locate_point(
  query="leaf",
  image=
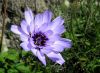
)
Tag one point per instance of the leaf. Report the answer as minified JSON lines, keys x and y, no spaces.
{"x":12,"y":71}
{"x":11,"y":54}
{"x":22,"y":68}
{"x":2,"y":70}
{"x":2,"y":55}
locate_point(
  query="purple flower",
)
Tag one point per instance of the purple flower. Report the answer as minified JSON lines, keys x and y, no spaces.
{"x":42,"y":36}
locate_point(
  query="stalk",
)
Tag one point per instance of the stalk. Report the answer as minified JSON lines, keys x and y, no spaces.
{"x":4,"y":18}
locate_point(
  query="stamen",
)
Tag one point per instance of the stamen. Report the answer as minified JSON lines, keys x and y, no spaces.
{"x":39,"y":39}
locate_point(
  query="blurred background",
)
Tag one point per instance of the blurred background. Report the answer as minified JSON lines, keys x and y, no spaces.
{"x":82,"y":23}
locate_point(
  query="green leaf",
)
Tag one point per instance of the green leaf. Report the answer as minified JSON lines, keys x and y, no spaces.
{"x":2,"y":55}
{"x":12,"y":71}
{"x":11,"y":54}
{"x":22,"y":68}
{"x":2,"y":70}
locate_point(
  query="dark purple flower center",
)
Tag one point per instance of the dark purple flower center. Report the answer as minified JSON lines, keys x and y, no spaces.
{"x":39,"y":39}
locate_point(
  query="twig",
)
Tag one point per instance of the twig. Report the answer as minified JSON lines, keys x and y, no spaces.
{"x":3,"y":26}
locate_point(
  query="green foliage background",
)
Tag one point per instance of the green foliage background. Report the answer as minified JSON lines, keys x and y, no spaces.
{"x":82,"y":22}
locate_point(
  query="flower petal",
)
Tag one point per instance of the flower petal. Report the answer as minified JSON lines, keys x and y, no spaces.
{"x":32,"y":42}
{"x":34,"y":51}
{"x":28,"y":16}
{"x":43,"y":18}
{"x":57,"y":48}
{"x":54,"y":37}
{"x":59,"y":29}
{"x":24,"y":37}
{"x":57,"y":26}
{"x":48,"y":33}
{"x":24,"y":27}
{"x":47,"y":15}
{"x":26,"y":46}
{"x":41,"y":57}
{"x":16,"y":29}
{"x":56,"y":57}
{"x":32,"y":27}
{"x":46,"y":50}
{"x":38,"y":20}
{"x":43,"y":28}
{"x":66,"y":43}
{"x":57,"y":22}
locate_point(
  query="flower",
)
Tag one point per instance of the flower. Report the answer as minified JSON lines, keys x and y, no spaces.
{"x":42,"y":36}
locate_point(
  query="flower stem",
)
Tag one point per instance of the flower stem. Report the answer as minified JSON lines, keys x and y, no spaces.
{"x":4,"y":17}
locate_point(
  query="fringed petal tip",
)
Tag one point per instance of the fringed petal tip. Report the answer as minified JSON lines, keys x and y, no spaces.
{"x":28,"y":15}
{"x":56,"y":57}
{"x":15,"y":29}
